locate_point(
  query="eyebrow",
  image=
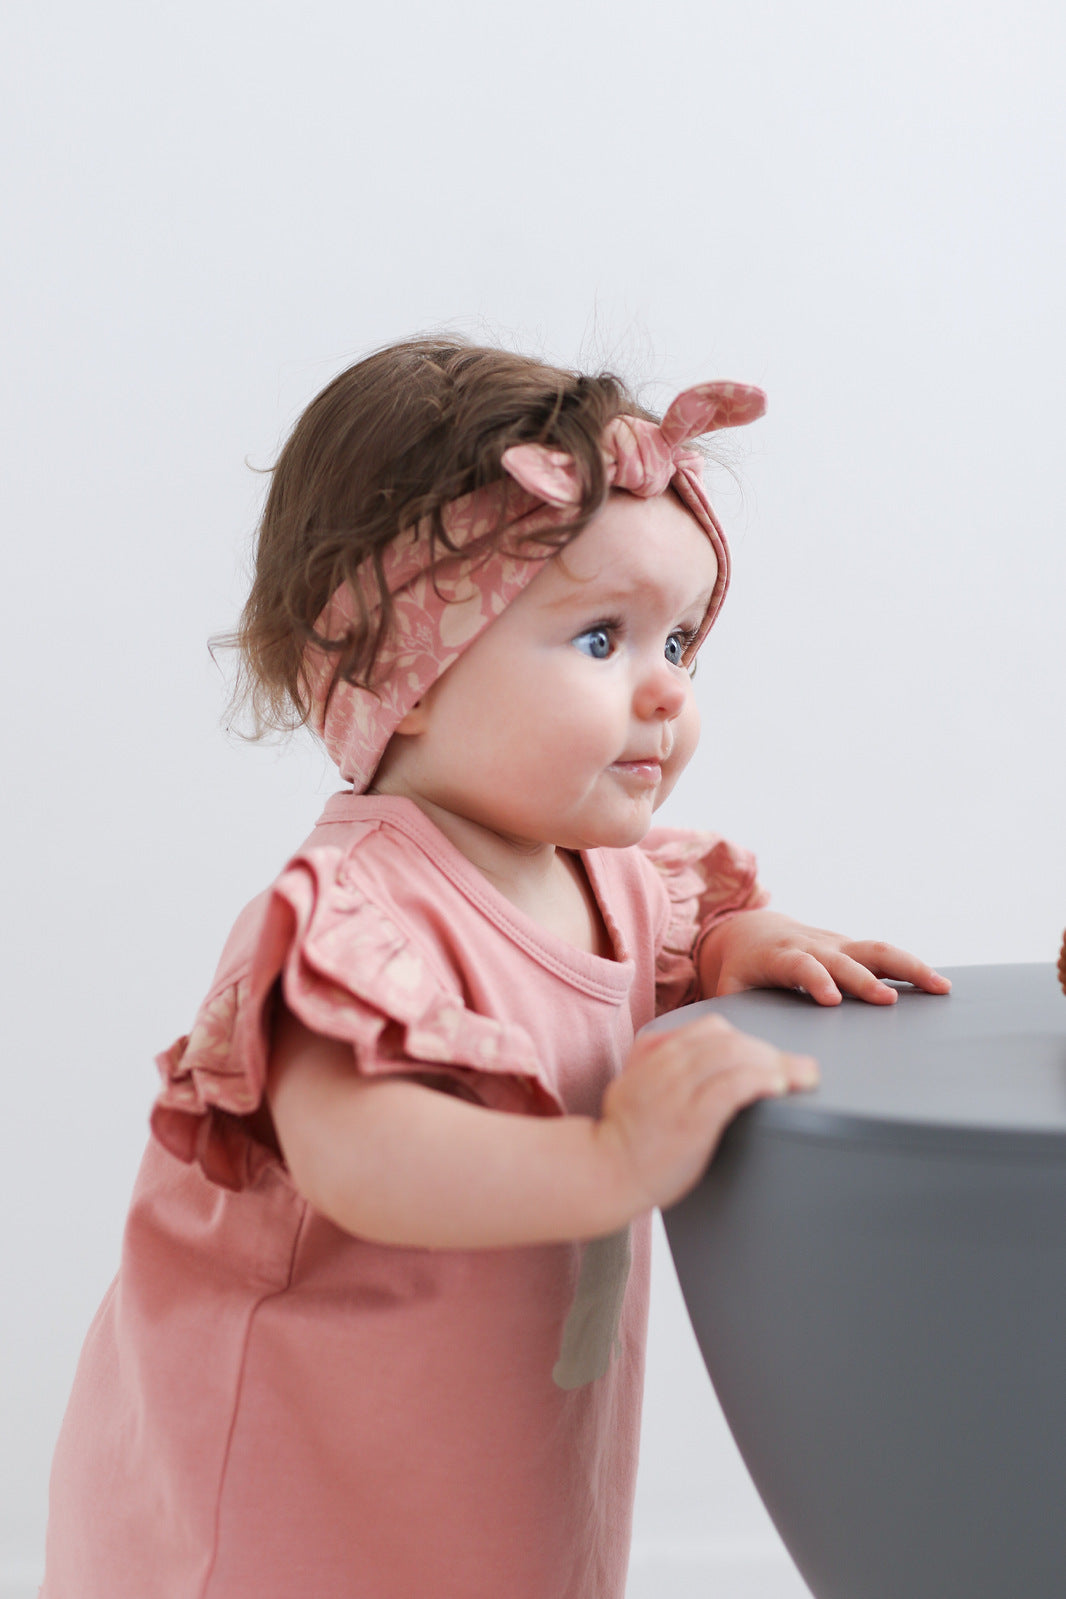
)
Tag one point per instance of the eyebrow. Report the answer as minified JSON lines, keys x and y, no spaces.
{"x":614,"y":594}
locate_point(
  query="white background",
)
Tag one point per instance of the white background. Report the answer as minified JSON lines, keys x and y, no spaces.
{"x":213,"y":208}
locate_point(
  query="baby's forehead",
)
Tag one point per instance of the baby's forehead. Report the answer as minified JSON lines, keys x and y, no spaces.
{"x":632,"y":542}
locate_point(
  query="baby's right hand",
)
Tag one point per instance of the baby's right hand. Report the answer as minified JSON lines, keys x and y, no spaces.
{"x":664,"y":1114}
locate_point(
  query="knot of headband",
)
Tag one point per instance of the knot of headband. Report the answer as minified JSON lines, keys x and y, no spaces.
{"x":641,"y":457}
{"x":439,"y":614}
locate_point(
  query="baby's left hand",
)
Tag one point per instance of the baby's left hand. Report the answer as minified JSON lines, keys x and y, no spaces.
{"x":761,"y":949}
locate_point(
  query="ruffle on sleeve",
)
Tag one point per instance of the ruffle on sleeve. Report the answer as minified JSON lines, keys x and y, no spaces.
{"x":347,"y":971}
{"x":707,"y":880}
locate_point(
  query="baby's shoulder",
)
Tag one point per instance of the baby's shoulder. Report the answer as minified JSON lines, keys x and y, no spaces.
{"x":344,"y":934}
{"x":374,"y":889}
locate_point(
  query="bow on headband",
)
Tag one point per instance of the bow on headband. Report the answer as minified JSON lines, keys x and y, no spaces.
{"x":436,"y":617}
{"x":641,"y":457}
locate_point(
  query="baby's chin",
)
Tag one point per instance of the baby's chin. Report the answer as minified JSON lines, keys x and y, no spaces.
{"x":621,"y":835}
{"x":624,"y":825}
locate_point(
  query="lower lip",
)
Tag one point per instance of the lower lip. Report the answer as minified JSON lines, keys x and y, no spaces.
{"x":648,"y":773}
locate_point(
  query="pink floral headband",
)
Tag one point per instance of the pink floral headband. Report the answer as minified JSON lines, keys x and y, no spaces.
{"x":437,"y":616}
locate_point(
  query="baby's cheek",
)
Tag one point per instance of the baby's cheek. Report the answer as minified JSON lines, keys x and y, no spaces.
{"x":686,"y":737}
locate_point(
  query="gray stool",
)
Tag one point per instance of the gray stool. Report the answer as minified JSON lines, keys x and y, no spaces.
{"x":876,"y":1274}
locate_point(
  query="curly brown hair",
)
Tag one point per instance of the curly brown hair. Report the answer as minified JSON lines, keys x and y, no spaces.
{"x":386,"y":445}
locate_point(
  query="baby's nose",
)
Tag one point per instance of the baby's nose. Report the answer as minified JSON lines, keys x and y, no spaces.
{"x":662,"y":690}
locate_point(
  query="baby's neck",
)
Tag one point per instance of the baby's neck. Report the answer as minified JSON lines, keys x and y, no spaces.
{"x":548,"y":884}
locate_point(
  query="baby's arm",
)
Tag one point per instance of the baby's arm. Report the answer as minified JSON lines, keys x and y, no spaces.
{"x":399,"y":1163}
{"x":761,"y":949}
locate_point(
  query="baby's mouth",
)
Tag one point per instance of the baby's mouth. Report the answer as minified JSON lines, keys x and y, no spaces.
{"x":646,"y":771}
{"x":647,"y":768}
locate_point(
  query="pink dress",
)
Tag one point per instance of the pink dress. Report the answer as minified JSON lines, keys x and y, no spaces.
{"x":267,"y":1406}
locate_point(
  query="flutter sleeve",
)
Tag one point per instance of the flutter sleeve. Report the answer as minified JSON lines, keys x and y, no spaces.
{"x":707,"y":880}
{"x":347,"y":970}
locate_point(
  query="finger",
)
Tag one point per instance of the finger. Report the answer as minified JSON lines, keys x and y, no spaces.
{"x":710,"y":1061}
{"x":798,"y":968}
{"x":768,"y":1075}
{"x":718,"y":1055}
{"x":714,"y":1054}
{"x":734,"y":1051}
{"x":672,"y":1042}
{"x":885,"y":960}
{"x":668,"y":1063}
{"x":711,"y":1024}
{"x":856,"y":978}
{"x":743,"y":1053}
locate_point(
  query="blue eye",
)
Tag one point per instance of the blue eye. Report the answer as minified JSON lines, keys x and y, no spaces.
{"x":596,"y":642}
{"x":676,"y":646}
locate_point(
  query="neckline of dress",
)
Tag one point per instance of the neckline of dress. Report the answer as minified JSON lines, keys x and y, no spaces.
{"x":606,"y":976}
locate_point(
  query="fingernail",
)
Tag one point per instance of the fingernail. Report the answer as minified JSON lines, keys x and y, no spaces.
{"x":807,"y":1073}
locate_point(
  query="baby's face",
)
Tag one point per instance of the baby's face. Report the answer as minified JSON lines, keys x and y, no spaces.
{"x":571,"y":718}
